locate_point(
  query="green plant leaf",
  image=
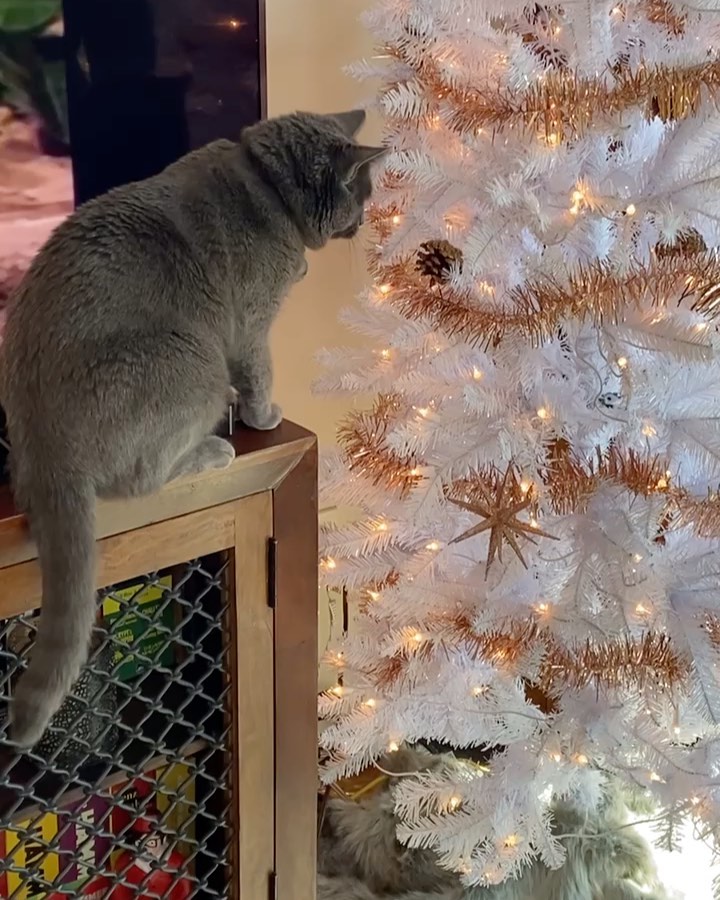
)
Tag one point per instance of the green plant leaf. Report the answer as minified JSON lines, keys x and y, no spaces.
{"x":34,"y":86}
{"x":28,"y":15}
{"x":15,"y":82}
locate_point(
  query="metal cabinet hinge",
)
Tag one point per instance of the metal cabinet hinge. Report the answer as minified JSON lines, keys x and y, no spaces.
{"x":272,"y":572}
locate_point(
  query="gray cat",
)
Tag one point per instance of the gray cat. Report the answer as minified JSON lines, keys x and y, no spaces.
{"x":146,"y":313}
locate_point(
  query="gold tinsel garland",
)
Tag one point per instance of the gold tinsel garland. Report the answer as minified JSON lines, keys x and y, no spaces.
{"x":598,"y":294}
{"x":562,"y":104}
{"x":362,"y":437}
{"x":629,"y":663}
{"x":662,"y":12}
{"x":592,"y":293}
{"x":712,"y":627}
{"x":570,"y":482}
{"x":452,"y":312}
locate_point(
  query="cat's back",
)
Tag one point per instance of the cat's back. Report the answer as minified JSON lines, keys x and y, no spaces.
{"x":118,"y":263}
{"x":101,"y":246}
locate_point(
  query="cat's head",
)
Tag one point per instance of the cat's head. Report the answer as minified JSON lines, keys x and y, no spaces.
{"x":318,"y":168}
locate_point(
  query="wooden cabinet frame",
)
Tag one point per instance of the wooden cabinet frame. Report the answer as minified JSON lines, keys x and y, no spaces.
{"x":263,"y":511}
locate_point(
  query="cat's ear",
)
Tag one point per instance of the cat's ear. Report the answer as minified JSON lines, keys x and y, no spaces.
{"x":354,"y":157}
{"x":351,"y":122}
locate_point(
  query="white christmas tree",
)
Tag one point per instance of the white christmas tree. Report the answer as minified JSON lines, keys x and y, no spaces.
{"x":537,"y":554}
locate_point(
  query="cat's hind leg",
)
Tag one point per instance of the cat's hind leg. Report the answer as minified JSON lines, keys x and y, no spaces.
{"x":212,"y":452}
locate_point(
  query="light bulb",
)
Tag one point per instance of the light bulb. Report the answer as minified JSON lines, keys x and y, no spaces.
{"x":653,"y":776}
{"x":542,"y":413}
{"x":415,"y":472}
{"x":418,"y":637}
{"x":393,"y":747}
{"x":578,"y":196}
{"x":622,"y":362}
{"x":433,"y":545}
{"x":476,"y":373}
{"x":525,"y":486}
{"x":373,"y":595}
{"x":385,"y":354}
{"x":424,"y":412}
{"x":233,"y":23}
{"x":649,"y":431}
{"x":642,"y":610}
{"x":384,"y":288}
{"x":372,"y":703}
{"x":581,"y":759}
{"x":338,"y":690}
{"x":630,"y":210}
{"x":543,"y":607}
{"x":328,"y":563}
{"x":512,"y":840}
{"x":637,"y":557}
{"x":454,"y":802}
{"x":556,"y":757}
{"x":479,"y":690}
{"x":396,"y":220}
{"x":662,"y":484}
{"x":533,"y":522}
{"x":553,"y":139}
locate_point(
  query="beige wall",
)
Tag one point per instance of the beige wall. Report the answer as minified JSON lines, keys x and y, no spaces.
{"x":309,"y":42}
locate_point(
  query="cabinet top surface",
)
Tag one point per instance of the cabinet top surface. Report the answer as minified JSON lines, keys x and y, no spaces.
{"x":262,"y":460}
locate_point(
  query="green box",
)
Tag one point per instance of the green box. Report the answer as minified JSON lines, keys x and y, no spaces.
{"x":120,"y":612}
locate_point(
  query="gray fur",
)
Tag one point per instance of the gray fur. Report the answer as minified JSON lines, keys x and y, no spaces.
{"x":141,"y":319}
{"x":359,"y":857}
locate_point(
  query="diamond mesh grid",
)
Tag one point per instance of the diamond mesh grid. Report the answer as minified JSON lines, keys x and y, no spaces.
{"x":127,"y":796}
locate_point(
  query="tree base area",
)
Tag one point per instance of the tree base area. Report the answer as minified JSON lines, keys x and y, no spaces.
{"x":360,"y":857}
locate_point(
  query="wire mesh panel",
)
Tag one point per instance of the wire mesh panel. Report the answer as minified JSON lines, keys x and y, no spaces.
{"x":127,"y":794}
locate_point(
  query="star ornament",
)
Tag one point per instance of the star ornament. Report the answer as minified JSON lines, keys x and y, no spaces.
{"x":500,"y":509}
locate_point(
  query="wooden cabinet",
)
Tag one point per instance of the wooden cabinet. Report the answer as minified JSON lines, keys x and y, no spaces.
{"x":210,"y":739}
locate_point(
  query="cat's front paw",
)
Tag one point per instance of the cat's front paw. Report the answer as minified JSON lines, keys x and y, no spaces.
{"x":262,"y":420}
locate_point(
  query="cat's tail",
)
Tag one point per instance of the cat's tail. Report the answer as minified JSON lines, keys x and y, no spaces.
{"x":62,"y":520}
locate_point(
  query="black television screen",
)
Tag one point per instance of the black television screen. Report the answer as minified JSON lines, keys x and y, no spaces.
{"x":96,"y":93}
{"x":149,"y":80}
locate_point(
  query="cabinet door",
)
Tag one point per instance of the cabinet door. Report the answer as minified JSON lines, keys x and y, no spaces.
{"x":159,"y":769}
{"x":252,"y":659}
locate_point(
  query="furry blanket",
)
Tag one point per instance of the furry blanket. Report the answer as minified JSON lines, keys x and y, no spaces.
{"x":360,"y":858}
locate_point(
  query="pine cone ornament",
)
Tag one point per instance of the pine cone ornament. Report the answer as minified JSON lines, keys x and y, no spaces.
{"x":689,"y":243}
{"x":436,"y":258}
